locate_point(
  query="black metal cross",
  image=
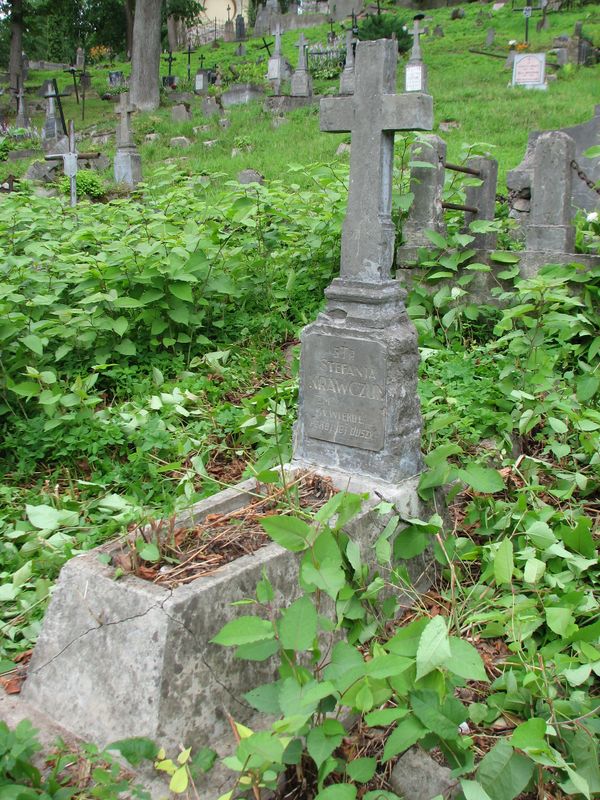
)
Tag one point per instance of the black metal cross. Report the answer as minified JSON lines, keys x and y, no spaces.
{"x":189,"y":59}
{"x":266,"y":46}
{"x":170,"y":59}
{"x":202,"y":61}
{"x":74,"y":72}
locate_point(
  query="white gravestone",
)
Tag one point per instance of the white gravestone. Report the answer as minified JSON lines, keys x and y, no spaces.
{"x":529,"y":70}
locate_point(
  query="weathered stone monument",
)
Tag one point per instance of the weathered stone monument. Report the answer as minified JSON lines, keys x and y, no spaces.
{"x":22,"y":119}
{"x":490,"y":37}
{"x":52,"y":128}
{"x":80,"y":58}
{"x":201,"y":82}
{"x":529,"y":70}
{"x":278,"y":68}
{"x":520,"y":179}
{"x":301,"y":85}
{"x":128,"y":162}
{"x":359,"y":410}
{"x":415,"y":75}
{"x":347,"y":76}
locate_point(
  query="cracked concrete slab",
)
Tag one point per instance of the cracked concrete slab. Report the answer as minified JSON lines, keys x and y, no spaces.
{"x":122,"y":658}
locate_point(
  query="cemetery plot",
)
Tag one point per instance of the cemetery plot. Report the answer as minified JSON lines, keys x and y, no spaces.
{"x":171,"y":555}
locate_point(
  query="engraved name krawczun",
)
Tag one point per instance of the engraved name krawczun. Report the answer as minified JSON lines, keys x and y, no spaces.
{"x":344,"y":391}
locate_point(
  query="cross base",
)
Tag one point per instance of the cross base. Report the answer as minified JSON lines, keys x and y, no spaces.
{"x":358,"y":406}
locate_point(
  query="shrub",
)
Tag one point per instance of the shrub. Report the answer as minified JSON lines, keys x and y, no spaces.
{"x":383,"y":26}
{"x":89,"y":183}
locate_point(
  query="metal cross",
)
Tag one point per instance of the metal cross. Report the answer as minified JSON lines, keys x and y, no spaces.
{"x":266,"y":46}
{"x":372,"y":115}
{"x":170,"y":59}
{"x":70,"y":161}
{"x":202,"y":59}
{"x":189,"y":60}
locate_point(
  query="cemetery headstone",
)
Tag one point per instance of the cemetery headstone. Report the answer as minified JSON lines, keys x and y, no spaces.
{"x":586,"y":135}
{"x":24,"y":66}
{"x":347,"y":76}
{"x":116,"y":78}
{"x":427,"y":187}
{"x":240,"y":50}
{"x":80,"y":58}
{"x":301,"y":85}
{"x":483,"y":198}
{"x":415,"y":74}
{"x":52,"y":129}
{"x":550,"y":227}
{"x":229,"y":31}
{"x":489,"y":39}
{"x":457,"y":13}
{"x":278,"y":68}
{"x":128,"y":162}
{"x":240,"y":94}
{"x":358,"y":409}
{"x":201,"y":82}
{"x":240,"y":28}
{"x":438,"y":32}
{"x":181,"y":112}
{"x":529,"y":70}
{"x":22,"y":119}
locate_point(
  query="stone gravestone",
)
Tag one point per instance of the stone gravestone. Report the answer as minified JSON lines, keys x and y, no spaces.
{"x":128,"y":162}
{"x":415,"y":75}
{"x":51,"y":130}
{"x":80,"y":58}
{"x":438,"y":32}
{"x":520,"y":179}
{"x":489,"y":39}
{"x":116,"y":79}
{"x":347,"y":76}
{"x":529,"y":70}
{"x":301,"y":79}
{"x":22,"y":120}
{"x":201,"y":82}
{"x":240,"y":28}
{"x":278,"y":68}
{"x":358,"y":409}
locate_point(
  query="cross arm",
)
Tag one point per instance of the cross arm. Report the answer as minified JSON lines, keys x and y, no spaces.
{"x":412,"y":111}
{"x":336,"y":114}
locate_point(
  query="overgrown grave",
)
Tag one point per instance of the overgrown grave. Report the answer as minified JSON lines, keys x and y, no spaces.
{"x":547,"y":188}
{"x":131,"y":657}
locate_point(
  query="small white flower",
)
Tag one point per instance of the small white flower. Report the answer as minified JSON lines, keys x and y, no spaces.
{"x":404,"y":28}
{"x":512,"y":42}
{"x":593,"y":217}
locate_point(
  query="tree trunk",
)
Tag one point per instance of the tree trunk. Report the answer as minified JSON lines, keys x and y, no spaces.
{"x":129,"y":17}
{"x":145,"y":55}
{"x":15,"y":68}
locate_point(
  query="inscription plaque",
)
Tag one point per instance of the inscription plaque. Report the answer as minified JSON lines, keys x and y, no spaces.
{"x":344,"y":391}
{"x":413,"y":78}
{"x":529,"y":70}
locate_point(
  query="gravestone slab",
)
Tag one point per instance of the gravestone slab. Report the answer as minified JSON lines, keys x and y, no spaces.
{"x":181,"y":113}
{"x":585,"y":135}
{"x":529,"y":71}
{"x":490,"y":36}
{"x":201,"y":82}
{"x":241,"y":94}
{"x":358,"y":406}
{"x":347,"y":76}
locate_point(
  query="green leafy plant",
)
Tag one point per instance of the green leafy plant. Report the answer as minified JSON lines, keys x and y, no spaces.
{"x":89,"y":184}
{"x":385,"y":26}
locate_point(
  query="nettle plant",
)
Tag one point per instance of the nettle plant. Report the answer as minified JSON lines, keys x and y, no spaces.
{"x":333,"y":661}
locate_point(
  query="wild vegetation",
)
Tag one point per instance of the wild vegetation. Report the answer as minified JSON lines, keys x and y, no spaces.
{"x":148,"y":358}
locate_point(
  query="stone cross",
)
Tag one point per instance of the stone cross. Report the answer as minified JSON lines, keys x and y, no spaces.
{"x":416,"y":32}
{"x":277,"y":51}
{"x":22,"y":120}
{"x":301,"y":45}
{"x":347,"y":76}
{"x":371,"y":115}
{"x":124,"y":110}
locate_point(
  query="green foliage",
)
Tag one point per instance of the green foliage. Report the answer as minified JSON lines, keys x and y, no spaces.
{"x":385,"y":26}
{"x":89,"y":184}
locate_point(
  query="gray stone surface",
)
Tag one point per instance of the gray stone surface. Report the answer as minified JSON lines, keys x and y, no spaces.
{"x":427,"y":186}
{"x":347,"y":76}
{"x":128,"y":167}
{"x":281,"y":104}
{"x":585,"y":135}
{"x":438,"y":32}
{"x":52,"y":129}
{"x":179,"y":141}
{"x":250,"y":176}
{"x":301,"y":85}
{"x":490,"y":36}
{"x":201,"y":82}
{"x":550,"y":225}
{"x":529,"y":71}
{"x":44,"y":171}
{"x":152,"y":137}
{"x":241,"y":94}
{"x":278,"y":68}
{"x":417,"y":776}
{"x":131,"y":658}
{"x":483,"y":198}
{"x":358,"y":406}
{"x":210,"y":107}
{"x":415,"y":73}
{"x":181,"y":113}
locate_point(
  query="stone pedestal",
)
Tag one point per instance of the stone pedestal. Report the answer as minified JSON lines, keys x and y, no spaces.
{"x":550,"y":218}
{"x":128,"y":167}
{"x":301,"y":84}
{"x":482,"y":197}
{"x":358,"y":407}
{"x":427,"y":186}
